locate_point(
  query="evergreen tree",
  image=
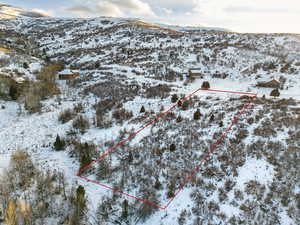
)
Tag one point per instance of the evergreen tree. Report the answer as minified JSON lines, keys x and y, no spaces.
{"x":157,"y":184}
{"x":59,"y":144}
{"x":80,"y":206}
{"x":172,"y":147}
{"x":125,"y":209}
{"x":205,"y":85}
{"x":25,"y":65}
{"x":275,"y":93}
{"x":80,"y":197}
{"x":221,"y":124}
{"x":185,"y":105}
{"x":197,"y":115}
{"x":174,"y":98}
{"x":13,"y":92}
{"x":142,"y":109}
{"x":130,"y":157}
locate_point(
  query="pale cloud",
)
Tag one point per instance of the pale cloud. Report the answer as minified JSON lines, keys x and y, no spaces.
{"x":135,"y":6}
{"x":79,"y":10}
{"x":48,"y":13}
{"x":115,"y":8}
{"x":167,"y":11}
{"x":236,"y":15}
{"x":241,"y":9}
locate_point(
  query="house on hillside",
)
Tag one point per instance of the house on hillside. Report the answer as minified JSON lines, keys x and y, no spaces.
{"x":68,"y":74}
{"x":269,"y":84}
{"x":195,"y":73}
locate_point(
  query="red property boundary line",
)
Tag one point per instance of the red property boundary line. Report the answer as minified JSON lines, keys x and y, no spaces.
{"x":196,"y":170}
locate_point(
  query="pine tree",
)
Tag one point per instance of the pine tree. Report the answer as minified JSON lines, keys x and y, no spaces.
{"x":212,"y":118}
{"x":205,"y":85}
{"x":142,"y":109}
{"x":275,"y":93}
{"x":125,"y":209}
{"x":174,"y":98}
{"x":197,"y":115}
{"x":59,"y":144}
{"x":80,"y":205}
{"x":185,"y":105}
{"x":25,"y":65}
{"x":130,"y":157}
{"x":157,"y":184}
{"x":172,"y":147}
{"x":13,"y":92}
{"x":221,"y":124}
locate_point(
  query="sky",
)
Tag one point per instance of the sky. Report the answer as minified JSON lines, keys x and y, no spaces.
{"x":263,"y":16}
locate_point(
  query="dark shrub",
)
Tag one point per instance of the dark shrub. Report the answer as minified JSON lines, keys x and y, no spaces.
{"x":172,"y":147}
{"x":142,"y":109}
{"x":179,"y":119}
{"x":13,"y":91}
{"x":185,"y":105}
{"x":205,"y":85}
{"x":197,"y":115}
{"x":275,"y":93}
{"x":174,"y":98}
{"x":25,"y":65}
{"x":59,"y":144}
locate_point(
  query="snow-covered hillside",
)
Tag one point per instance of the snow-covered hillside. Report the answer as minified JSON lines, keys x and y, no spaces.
{"x":131,"y":72}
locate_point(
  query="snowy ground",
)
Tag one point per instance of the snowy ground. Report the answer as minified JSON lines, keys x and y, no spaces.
{"x":37,"y":132}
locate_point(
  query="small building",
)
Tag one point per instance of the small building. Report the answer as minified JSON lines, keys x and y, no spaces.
{"x":269,"y":84}
{"x":195,"y":73}
{"x":68,"y":74}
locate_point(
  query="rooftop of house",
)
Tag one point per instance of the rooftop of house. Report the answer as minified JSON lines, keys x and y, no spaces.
{"x":67,"y":71}
{"x":195,"y":70}
{"x":268,"y":81}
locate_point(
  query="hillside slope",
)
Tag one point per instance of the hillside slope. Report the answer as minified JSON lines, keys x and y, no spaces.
{"x":130,"y":73}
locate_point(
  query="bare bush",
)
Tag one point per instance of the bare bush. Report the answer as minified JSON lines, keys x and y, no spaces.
{"x":66,"y":116}
{"x":81,"y":123}
{"x":159,"y":91}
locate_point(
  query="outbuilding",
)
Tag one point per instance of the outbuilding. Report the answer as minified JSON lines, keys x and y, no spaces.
{"x":68,"y":74}
{"x":195,"y":73}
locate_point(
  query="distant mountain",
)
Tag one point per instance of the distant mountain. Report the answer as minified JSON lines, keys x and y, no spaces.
{"x":12,"y":12}
{"x":194,"y":28}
